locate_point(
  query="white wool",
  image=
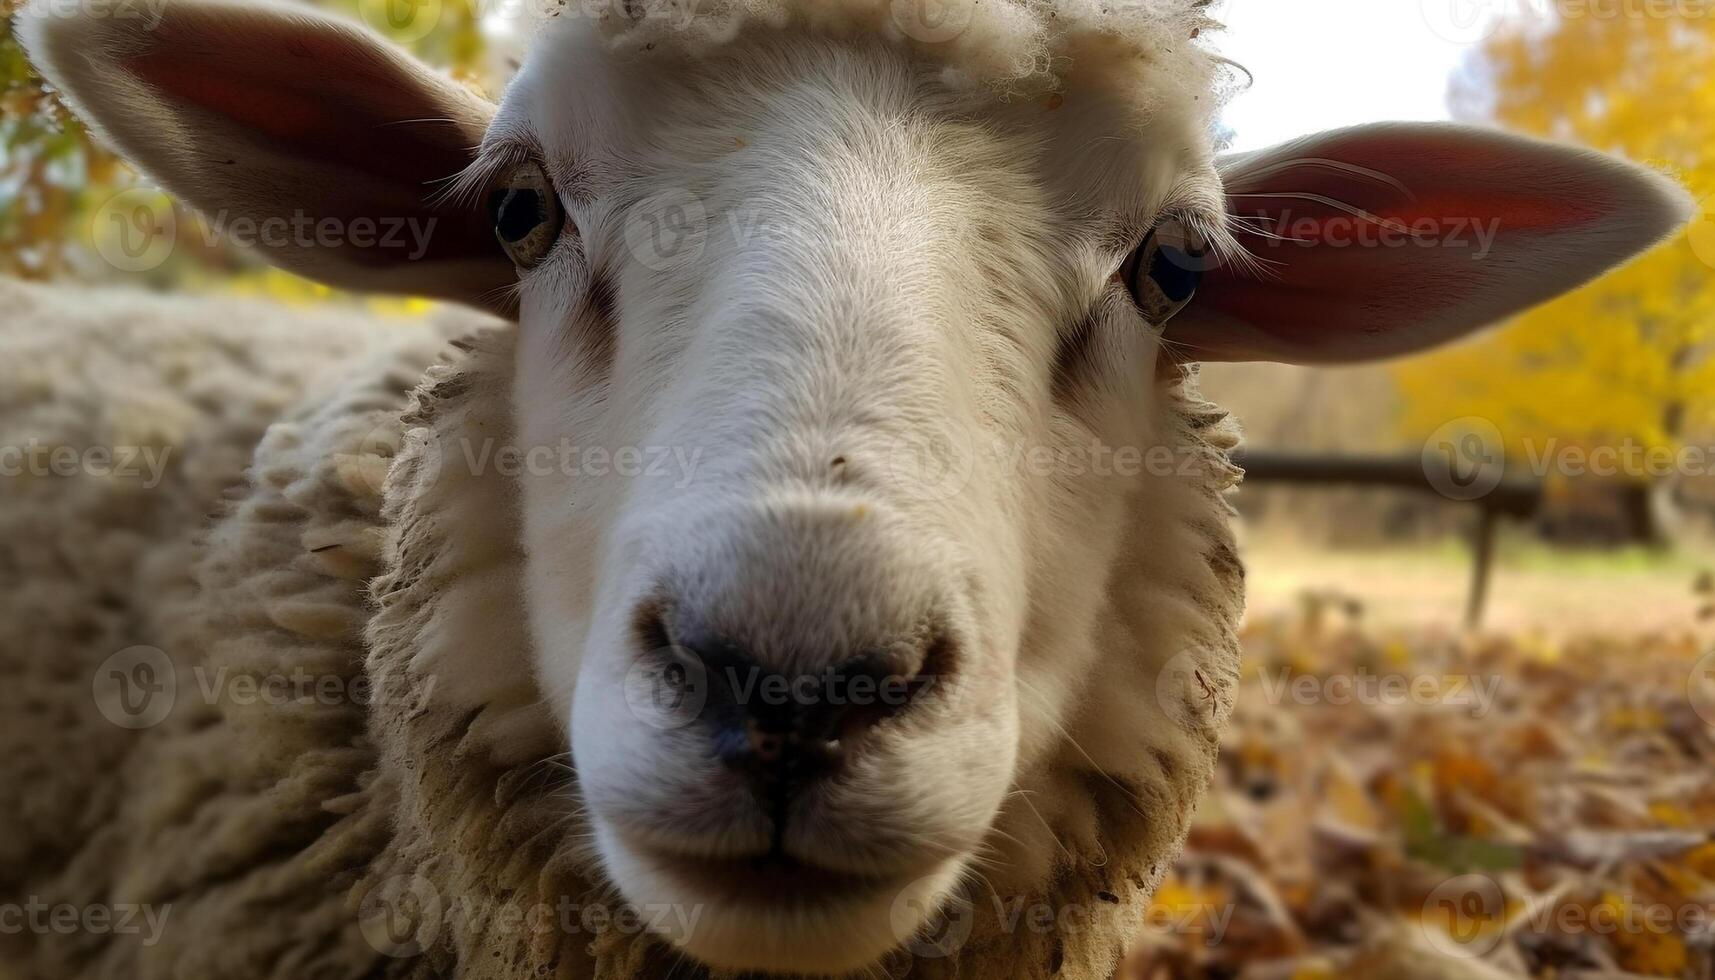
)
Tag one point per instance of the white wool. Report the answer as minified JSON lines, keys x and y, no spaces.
{"x":257,"y":411}
{"x":1011,"y":45}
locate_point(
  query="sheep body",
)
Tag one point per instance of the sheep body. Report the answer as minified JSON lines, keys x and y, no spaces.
{"x":299,"y":833}
{"x":417,"y":820}
{"x":92,"y":564}
{"x":293,"y":830}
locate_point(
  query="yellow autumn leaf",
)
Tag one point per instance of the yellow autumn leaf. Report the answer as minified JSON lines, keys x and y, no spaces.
{"x":1643,"y":948}
{"x":1626,"y":361}
{"x":1702,"y":861}
{"x":1346,"y":801}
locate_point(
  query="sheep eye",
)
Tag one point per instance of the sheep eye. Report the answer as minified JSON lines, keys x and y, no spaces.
{"x":1163,"y":273}
{"x":526,"y":214}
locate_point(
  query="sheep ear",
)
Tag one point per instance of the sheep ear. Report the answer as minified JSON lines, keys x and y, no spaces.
{"x":1385,"y":240}
{"x":306,"y":135}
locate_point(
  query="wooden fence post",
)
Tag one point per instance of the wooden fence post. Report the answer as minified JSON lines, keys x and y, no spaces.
{"x":1483,"y":560}
{"x":1516,"y":497}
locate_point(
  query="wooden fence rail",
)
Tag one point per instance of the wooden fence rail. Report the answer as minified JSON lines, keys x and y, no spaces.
{"x":1511,"y":496}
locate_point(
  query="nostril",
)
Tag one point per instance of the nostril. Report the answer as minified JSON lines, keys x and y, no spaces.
{"x":864,"y":692}
{"x":782,"y":730}
{"x":800,"y":727}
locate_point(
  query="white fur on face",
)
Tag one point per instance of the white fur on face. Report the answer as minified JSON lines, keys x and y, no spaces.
{"x":829,"y":363}
{"x":853,"y":309}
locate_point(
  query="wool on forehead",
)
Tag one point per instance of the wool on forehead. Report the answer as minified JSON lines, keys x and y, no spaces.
{"x":1016,"y":47}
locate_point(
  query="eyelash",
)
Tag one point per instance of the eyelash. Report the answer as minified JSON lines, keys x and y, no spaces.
{"x":1177,"y":253}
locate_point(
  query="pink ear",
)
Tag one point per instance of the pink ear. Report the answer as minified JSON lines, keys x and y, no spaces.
{"x":319,"y":142}
{"x":1384,"y":240}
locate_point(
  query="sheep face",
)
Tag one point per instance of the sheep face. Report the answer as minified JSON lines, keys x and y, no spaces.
{"x":873,"y":332}
{"x":872,"y":535}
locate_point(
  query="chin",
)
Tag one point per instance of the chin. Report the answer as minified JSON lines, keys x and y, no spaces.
{"x":775,"y":915}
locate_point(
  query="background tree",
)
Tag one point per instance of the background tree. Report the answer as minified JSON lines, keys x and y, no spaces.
{"x":55,"y":181}
{"x":1630,"y":360}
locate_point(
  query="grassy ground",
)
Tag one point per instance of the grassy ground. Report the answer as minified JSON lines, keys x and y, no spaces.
{"x":1535,"y":588}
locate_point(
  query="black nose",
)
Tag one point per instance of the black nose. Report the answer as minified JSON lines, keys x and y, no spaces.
{"x":783,"y":731}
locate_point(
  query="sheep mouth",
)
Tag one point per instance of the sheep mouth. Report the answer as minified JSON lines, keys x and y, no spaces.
{"x":780,"y":914}
{"x":768,"y":879}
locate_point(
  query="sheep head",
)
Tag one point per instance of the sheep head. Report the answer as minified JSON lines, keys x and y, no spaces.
{"x":852,"y":428}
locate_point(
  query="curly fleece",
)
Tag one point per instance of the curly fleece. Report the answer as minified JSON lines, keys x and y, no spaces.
{"x":1015,"y":47}
{"x":373,"y":833}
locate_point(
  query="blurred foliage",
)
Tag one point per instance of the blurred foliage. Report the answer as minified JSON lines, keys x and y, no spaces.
{"x":1555,"y":827}
{"x":48,"y":169}
{"x":54,"y":178}
{"x":1630,"y":358}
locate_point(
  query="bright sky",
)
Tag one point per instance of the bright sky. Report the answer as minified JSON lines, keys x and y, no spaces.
{"x":1321,"y":64}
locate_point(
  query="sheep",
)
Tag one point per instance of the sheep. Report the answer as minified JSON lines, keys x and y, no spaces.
{"x":128,"y":418}
{"x":919,"y":305}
